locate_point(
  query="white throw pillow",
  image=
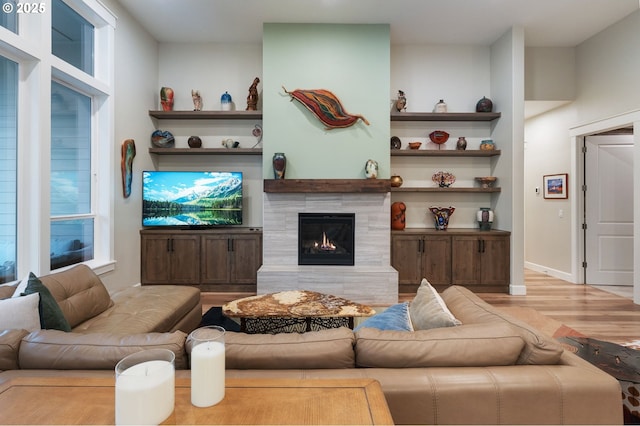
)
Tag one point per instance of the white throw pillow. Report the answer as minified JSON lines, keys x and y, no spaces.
{"x":428,"y":310}
{"x":20,"y":288}
{"x":20,"y":313}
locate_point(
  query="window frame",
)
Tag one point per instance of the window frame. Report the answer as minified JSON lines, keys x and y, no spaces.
{"x":31,"y":48}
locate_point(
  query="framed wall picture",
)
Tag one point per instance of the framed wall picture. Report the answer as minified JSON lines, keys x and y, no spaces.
{"x":555,"y":186}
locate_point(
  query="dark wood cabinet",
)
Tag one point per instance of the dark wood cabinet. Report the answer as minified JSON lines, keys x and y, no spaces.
{"x":417,"y":256}
{"x":231,"y":261}
{"x":170,"y":258}
{"x":212,"y":259}
{"x":478,"y":260}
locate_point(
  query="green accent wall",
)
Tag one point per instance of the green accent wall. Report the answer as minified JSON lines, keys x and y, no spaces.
{"x":351,"y":61}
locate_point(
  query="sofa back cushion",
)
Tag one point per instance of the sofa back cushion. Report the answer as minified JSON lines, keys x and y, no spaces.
{"x":57,"y":350}
{"x":79,"y":292}
{"x":473,"y":345}
{"x":331,"y":348}
{"x":470,"y":309}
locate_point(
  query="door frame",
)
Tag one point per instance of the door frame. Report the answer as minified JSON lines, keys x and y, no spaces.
{"x":577,"y":134}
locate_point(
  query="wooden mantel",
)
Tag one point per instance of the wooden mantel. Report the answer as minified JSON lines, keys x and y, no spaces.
{"x":327,"y":185}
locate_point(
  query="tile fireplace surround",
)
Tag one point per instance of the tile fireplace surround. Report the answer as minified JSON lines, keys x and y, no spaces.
{"x":371,"y":280}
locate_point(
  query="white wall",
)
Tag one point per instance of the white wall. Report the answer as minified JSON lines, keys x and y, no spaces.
{"x":606,"y":82}
{"x":136,"y":64}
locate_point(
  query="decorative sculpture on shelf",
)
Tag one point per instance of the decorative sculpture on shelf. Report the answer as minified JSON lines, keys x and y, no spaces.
{"x":252,"y":98}
{"x":441,"y":216}
{"x":197,"y":100}
{"x":127,"y":152}
{"x":371,"y":169}
{"x":326,"y":107}
{"x":166,"y":98}
{"x":401,"y":102}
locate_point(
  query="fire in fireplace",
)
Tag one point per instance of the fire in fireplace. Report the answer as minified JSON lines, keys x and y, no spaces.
{"x":326,"y":238}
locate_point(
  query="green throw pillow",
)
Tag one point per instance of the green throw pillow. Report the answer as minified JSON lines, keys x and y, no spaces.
{"x":51,"y":316}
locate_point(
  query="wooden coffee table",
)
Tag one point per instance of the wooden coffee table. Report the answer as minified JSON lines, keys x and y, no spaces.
{"x":91,"y":400}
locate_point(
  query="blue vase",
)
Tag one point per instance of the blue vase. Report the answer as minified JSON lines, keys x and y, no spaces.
{"x":225,"y":101}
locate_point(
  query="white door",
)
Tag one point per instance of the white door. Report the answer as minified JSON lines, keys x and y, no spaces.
{"x":609,"y":210}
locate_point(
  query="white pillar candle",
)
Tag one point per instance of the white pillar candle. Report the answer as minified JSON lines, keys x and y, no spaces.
{"x":145,"y":393}
{"x":207,"y":373}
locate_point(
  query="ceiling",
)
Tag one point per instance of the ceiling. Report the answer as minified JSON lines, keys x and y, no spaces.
{"x":546,"y":23}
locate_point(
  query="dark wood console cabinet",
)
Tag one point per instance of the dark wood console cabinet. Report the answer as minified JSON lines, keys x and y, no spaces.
{"x":478,"y":260}
{"x":211,"y":259}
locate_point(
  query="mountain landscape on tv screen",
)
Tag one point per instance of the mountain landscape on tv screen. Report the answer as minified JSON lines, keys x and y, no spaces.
{"x":192,"y":198}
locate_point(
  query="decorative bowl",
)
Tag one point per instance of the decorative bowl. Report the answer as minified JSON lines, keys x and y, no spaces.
{"x":396,"y":181}
{"x":443,"y":179}
{"x":486,"y":181}
{"x":162,"y":139}
{"x":415,"y":145}
{"x":439,"y":137}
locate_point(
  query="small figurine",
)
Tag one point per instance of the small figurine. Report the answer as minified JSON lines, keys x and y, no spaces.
{"x":252,"y":98}
{"x":401,"y":103}
{"x":197,"y":100}
{"x":371,"y":169}
{"x":166,"y":98}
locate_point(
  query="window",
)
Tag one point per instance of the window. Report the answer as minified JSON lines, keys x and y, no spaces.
{"x":56,"y":140}
{"x":9,"y":17}
{"x":71,"y":37}
{"x":71,"y":200}
{"x":8,"y":168}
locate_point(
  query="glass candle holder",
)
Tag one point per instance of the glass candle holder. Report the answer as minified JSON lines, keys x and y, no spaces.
{"x":207,"y":366}
{"x":145,"y":387}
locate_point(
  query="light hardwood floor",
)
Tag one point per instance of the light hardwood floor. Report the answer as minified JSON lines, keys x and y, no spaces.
{"x":593,"y":312}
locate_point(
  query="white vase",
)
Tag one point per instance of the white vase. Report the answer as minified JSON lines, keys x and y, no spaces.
{"x":485,"y":218}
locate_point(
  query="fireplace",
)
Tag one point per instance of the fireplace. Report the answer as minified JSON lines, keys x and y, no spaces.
{"x":326,"y":238}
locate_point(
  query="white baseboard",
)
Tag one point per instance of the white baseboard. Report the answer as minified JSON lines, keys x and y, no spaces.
{"x":550,"y":271}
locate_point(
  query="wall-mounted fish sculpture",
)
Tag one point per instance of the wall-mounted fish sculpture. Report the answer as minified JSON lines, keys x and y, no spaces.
{"x":326,"y":107}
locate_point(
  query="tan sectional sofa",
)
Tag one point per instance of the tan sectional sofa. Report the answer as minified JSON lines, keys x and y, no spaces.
{"x":491,"y":369}
{"x":104,"y":328}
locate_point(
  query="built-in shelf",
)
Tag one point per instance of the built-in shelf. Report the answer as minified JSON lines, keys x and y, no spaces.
{"x":445,"y":116}
{"x":327,"y":185}
{"x":206,"y":151}
{"x":445,"y":153}
{"x":206,"y":115}
{"x":444,"y":190}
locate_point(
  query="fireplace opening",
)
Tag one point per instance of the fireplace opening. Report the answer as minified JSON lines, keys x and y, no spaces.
{"x":326,"y":238}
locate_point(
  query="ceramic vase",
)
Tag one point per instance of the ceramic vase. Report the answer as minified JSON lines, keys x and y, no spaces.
{"x":166,"y":98}
{"x":371,"y":169}
{"x":225,"y":101}
{"x":194,"y":142}
{"x":398,"y":219}
{"x":279,"y":165}
{"x":487,"y":145}
{"x":485,"y":218}
{"x":484,"y":105}
{"x":461,"y":145}
{"x":441,"y":216}
{"x":396,"y":181}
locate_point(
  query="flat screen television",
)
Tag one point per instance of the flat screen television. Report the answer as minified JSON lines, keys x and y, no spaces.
{"x":191,"y":199}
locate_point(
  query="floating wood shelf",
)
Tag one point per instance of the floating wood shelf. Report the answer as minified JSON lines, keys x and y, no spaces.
{"x":207,"y":115}
{"x":327,"y":185}
{"x":444,"y":153}
{"x":444,"y":190}
{"x":206,"y":151}
{"x":445,"y":116}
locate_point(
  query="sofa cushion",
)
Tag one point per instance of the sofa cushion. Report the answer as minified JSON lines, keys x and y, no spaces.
{"x":153,"y":308}
{"x":79,"y":292}
{"x":51,"y":316}
{"x":20,"y":313}
{"x":395,"y":317}
{"x":9,"y":346}
{"x":469,"y":308}
{"x":52,"y":349}
{"x":331,"y":348}
{"x":428,"y":310}
{"x":473,"y":345}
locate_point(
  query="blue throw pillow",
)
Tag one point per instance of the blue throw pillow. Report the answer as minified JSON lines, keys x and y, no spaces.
{"x":395,"y":317}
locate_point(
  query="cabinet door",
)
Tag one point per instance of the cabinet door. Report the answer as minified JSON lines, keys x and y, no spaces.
{"x":465,"y":260}
{"x":156,"y":259}
{"x":185,"y":259}
{"x":246,"y":258}
{"x":406,"y":258}
{"x":215,"y":259}
{"x":495,"y":254}
{"x":436,"y":259}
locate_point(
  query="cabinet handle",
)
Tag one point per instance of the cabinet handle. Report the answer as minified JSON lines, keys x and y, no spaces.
{"x":482,"y":245}
{"x":479,"y":246}
{"x":169,"y":244}
{"x":229,"y":244}
{"x":421,"y":246}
